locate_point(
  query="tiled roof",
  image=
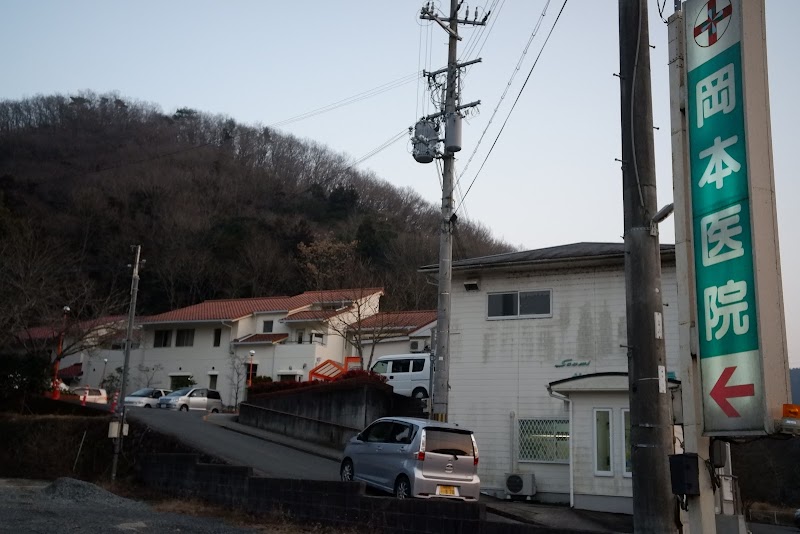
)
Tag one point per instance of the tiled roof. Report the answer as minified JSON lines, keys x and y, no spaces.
{"x":563,"y":253}
{"x":333,"y":295}
{"x":230,"y":309}
{"x":76,"y":369}
{"x":262,"y":338}
{"x":222,"y":310}
{"x":52,"y":332}
{"x":312,"y":315}
{"x":402,"y":320}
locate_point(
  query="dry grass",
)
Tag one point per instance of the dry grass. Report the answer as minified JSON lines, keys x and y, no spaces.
{"x":761,"y":512}
{"x":276,"y":522}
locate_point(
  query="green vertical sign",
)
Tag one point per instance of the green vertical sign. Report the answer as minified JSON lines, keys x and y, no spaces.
{"x":723,"y":249}
{"x":722,"y":220}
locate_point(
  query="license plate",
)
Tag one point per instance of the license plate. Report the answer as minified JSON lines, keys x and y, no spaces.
{"x":446,"y":490}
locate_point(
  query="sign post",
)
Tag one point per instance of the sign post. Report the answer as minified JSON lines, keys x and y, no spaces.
{"x":740,"y":319}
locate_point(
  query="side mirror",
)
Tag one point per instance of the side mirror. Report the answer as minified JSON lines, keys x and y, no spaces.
{"x":359,"y":437}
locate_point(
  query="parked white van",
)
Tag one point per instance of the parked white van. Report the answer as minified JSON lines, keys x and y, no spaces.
{"x":408,"y":374}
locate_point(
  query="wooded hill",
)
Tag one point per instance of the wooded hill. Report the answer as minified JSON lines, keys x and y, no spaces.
{"x":221,"y":210}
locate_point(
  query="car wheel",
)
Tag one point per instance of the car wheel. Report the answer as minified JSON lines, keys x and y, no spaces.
{"x":346,"y":471}
{"x":420,"y":393}
{"x":214,"y":411}
{"x":402,"y":488}
{"x":147,"y":406}
{"x":184,"y":408}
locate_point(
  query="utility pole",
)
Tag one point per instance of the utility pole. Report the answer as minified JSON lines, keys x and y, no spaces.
{"x":124,"y":380}
{"x":452,"y":139}
{"x":651,"y":425}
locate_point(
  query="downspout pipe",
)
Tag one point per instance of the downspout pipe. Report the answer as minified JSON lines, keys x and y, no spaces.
{"x":571,"y":439}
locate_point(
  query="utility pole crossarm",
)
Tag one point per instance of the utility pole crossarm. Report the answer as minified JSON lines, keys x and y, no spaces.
{"x":459,"y":65}
{"x":458,"y":108}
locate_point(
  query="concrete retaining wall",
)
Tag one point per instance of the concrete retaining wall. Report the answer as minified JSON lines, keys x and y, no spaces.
{"x":329,"y":414}
{"x":326,"y":503}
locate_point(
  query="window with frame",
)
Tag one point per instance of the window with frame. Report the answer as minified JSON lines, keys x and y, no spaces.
{"x":266,"y":327}
{"x":184,"y":338}
{"x":401,"y":366}
{"x":217,"y":336}
{"x":602,"y":442}
{"x":162,"y":338}
{"x":626,"y":443}
{"x":530,"y":304}
{"x":380,"y":432}
{"x":212,"y":381}
{"x":317,"y":338}
{"x":543,"y":440}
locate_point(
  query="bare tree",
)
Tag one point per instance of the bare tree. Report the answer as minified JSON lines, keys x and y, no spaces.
{"x":46,"y":302}
{"x":147,"y":374}
{"x":238,"y":372}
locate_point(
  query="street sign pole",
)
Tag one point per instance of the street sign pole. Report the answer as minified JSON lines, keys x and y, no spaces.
{"x":738,"y":291}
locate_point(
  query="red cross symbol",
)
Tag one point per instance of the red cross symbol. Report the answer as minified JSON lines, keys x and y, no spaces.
{"x":714,"y":18}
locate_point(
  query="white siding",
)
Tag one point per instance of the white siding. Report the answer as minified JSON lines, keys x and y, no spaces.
{"x":501,"y":366}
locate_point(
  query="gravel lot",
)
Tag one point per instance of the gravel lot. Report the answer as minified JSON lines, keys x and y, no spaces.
{"x":74,"y":506}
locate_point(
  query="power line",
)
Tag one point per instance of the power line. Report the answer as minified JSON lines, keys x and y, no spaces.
{"x":471,"y":48}
{"x":507,"y":88}
{"x":516,"y":100}
{"x":383,"y":146}
{"x":350,"y":100}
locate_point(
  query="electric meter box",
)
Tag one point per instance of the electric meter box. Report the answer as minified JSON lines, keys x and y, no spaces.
{"x":684,"y":473}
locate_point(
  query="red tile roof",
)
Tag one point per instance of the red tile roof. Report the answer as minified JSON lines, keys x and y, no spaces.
{"x":262,"y":338}
{"x":230,"y":309}
{"x":312,"y":315}
{"x":222,"y":310}
{"x":82,"y":327}
{"x":76,"y":369}
{"x":403,"y":320}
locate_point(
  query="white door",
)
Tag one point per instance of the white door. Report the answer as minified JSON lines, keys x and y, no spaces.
{"x":400,"y":376}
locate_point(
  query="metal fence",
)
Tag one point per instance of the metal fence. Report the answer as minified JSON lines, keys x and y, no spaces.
{"x":544,"y":440}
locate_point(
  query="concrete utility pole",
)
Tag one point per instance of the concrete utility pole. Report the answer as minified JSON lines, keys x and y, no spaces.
{"x":124,"y":379}
{"x":441,"y":380}
{"x":651,"y":425}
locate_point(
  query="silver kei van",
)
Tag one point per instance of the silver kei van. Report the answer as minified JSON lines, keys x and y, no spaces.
{"x":192,"y":398}
{"x":408,"y":374}
{"x":414,"y":458}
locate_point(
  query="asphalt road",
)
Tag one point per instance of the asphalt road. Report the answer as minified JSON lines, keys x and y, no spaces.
{"x":267,"y":459}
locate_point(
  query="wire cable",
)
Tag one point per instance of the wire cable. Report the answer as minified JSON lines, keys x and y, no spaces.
{"x":507,"y":88}
{"x":633,"y":99}
{"x":661,"y":11}
{"x":399,"y":82}
{"x":383,"y":146}
{"x":536,"y":62}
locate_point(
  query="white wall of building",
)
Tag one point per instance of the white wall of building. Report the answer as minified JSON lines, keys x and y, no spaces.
{"x":500,"y":368}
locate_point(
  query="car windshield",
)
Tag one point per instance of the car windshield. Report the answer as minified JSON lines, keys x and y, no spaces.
{"x":145,"y":392}
{"x":445,"y":441}
{"x":180,"y":392}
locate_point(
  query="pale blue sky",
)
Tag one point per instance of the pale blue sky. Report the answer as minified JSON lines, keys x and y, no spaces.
{"x":552,"y":179}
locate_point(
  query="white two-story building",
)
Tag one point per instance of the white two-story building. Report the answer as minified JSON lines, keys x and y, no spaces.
{"x":538,"y":370}
{"x":219,"y":343}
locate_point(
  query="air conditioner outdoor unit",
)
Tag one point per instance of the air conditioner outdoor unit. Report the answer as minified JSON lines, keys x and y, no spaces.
{"x":414,"y":346}
{"x":520,"y":484}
